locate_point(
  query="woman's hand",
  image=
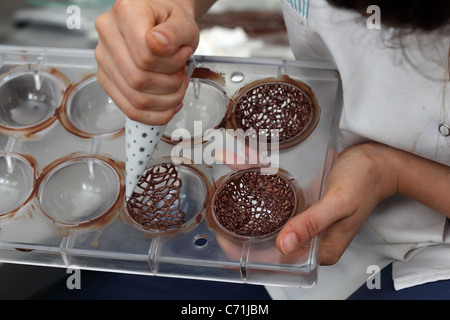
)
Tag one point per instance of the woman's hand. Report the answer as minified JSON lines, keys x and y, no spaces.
{"x":362,"y":176}
{"x":142,"y":52}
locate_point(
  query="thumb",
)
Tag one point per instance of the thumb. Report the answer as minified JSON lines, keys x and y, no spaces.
{"x":305,"y":226}
{"x":166,"y":38}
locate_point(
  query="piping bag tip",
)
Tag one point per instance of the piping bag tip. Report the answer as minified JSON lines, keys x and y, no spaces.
{"x":141,"y":141}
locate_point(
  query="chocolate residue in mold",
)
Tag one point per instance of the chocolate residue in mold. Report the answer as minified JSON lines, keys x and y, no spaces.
{"x":205,"y":73}
{"x":34,"y":166}
{"x":219,"y":80}
{"x":64,"y":118}
{"x":155,"y":203}
{"x":65,"y":228}
{"x":32,"y":131}
{"x":252,"y":204}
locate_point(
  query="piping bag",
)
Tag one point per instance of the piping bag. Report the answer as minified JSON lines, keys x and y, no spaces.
{"x":141,"y":140}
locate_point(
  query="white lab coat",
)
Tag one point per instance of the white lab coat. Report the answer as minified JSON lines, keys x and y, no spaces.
{"x":396,"y":97}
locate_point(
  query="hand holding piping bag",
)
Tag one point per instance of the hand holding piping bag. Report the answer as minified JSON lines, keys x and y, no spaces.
{"x":141,"y":140}
{"x":141,"y":54}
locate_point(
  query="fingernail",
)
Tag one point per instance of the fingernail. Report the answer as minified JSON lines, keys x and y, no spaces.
{"x":289,"y":243}
{"x":160,"y":38}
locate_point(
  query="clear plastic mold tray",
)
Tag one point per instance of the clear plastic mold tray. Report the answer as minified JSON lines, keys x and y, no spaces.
{"x":62,"y":169}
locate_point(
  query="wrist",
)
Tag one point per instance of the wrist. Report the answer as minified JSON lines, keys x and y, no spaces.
{"x":385,"y":165}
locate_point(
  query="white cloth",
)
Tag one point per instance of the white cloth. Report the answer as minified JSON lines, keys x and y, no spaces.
{"x":425,"y":265}
{"x":234,"y":42}
{"x":393,"y":100}
{"x":338,"y":281}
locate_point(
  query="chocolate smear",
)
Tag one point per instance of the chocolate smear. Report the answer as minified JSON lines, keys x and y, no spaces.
{"x":252,"y":204}
{"x":155,"y":203}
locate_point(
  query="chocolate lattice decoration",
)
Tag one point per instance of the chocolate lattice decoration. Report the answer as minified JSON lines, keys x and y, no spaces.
{"x":155,"y":203}
{"x":252,"y":204}
{"x":274,"y":106}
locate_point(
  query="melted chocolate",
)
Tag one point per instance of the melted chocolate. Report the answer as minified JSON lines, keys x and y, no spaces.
{"x":252,"y":204}
{"x":155,"y":203}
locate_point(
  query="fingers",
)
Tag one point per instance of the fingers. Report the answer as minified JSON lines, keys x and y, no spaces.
{"x":351,"y":194}
{"x":130,"y":77}
{"x":167,"y":38}
{"x":136,"y":104}
{"x":259,"y":254}
{"x":155,"y":30}
{"x":151,"y":117}
{"x":141,"y":53}
{"x":305,"y":226}
{"x":333,"y":218}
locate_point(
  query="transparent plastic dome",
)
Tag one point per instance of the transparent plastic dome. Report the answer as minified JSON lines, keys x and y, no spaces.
{"x":79,"y":190}
{"x":90,"y":110}
{"x":28,"y":98}
{"x":17,"y":178}
{"x":204,"y":103}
